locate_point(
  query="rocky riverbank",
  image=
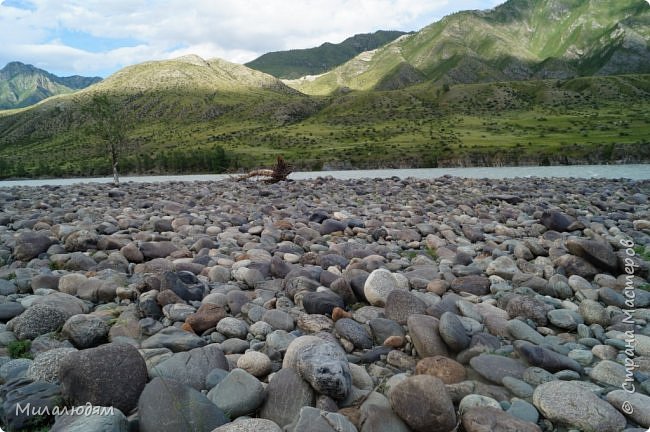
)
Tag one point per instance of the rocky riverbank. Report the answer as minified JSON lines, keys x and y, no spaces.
{"x":381,"y":305}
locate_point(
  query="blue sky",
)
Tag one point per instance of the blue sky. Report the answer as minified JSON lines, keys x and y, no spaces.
{"x":95,"y":37}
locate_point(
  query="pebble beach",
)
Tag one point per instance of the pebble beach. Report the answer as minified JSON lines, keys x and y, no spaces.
{"x":327,"y":305}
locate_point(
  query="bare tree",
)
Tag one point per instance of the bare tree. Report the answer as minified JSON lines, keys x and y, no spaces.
{"x":110,"y":120}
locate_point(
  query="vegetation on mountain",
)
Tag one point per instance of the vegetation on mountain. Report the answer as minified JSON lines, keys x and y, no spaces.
{"x":518,"y":40}
{"x":591,"y":119}
{"x":22,"y":85}
{"x":313,"y":61}
{"x":411,"y":103}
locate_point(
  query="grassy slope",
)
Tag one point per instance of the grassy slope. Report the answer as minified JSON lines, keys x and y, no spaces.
{"x":168,"y":102}
{"x":521,"y":39}
{"x":603,"y":119}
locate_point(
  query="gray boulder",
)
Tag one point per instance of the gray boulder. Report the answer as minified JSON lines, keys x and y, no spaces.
{"x":286,"y":394}
{"x":31,"y":244}
{"x":238,"y":394}
{"x":85,"y":331}
{"x":37,"y":320}
{"x":170,"y":406}
{"x":109,"y":375}
{"x":576,"y":407}
{"x":191,"y":367}
{"x":424,"y":404}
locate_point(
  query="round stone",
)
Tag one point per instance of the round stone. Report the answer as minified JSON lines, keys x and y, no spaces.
{"x":453,"y":332}
{"x":584,"y":357}
{"x":564,"y":319}
{"x":423,"y":330}
{"x":354,"y":332}
{"x":279,"y":320}
{"x":38,"y":320}
{"x":424,"y":404}
{"x":379,"y":284}
{"x":402,"y":304}
{"x":495,"y":367}
{"x":85,"y":331}
{"x":239,"y":393}
{"x":608,"y":372}
{"x":232,"y":328}
{"x":255,"y":363}
{"x":449,"y":371}
{"x":518,"y":387}
{"x":594,"y":313}
{"x":474,"y":400}
{"x":523,"y":410}
{"x":260,"y":329}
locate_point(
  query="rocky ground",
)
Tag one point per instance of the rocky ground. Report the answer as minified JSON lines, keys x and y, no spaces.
{"x":327,"y":305}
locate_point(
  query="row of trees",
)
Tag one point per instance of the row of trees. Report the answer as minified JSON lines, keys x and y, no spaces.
{"x":204,"y":160}
{"x":213,"y":160}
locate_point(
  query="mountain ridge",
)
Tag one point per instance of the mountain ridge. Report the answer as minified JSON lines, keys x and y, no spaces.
{"x":190,"y":71}
{"x":514,"y":41}
{"x":23,"y":85}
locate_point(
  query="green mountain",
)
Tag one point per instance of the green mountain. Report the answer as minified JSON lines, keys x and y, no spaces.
{"x":313,"y":61}
{"x":519,"y":40}
{"x":427,"y":99}
{"x":22,"y":85}
{"x":178,"y":128}
{"x":163,"y":105}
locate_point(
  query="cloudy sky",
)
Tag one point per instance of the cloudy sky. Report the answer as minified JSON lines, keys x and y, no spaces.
{"x":97,"y":37}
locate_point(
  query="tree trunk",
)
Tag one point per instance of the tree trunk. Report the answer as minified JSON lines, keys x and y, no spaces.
{"x":116,"y":176}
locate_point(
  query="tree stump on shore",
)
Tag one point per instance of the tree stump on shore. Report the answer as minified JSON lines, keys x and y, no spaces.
{"x":278,"y":173}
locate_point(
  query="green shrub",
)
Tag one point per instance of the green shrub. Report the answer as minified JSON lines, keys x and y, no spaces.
{"x":19,"y":349}
{"x":431,"y":252}
{"x":641,"y":252}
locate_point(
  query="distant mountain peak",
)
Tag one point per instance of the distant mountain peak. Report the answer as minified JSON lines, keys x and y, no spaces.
{"x":23,"y":84}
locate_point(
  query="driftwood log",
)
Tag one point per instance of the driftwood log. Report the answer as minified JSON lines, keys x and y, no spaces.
{"x":278,"y":173}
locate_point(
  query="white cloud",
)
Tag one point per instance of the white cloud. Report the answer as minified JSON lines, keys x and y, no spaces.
{"x":237,"y":30}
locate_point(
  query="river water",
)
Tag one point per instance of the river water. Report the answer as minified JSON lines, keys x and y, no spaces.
{"x":636,"y":172}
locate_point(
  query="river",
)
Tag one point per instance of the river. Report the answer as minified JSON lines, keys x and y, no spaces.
{"x":635,"y":172}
